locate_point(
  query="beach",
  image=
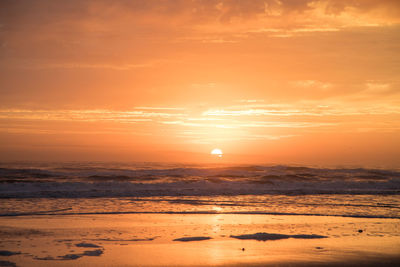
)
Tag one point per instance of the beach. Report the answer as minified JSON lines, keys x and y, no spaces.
{"x":114,"y":214}
{"x":198,"y":240}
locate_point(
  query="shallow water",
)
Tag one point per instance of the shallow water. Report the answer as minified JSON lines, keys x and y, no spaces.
{"x":367,"y":206}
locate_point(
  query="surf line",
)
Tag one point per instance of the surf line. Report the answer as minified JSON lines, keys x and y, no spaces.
{"x":49,"y":213}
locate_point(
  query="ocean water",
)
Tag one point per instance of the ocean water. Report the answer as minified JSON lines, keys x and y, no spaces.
{"x":29,"y":188}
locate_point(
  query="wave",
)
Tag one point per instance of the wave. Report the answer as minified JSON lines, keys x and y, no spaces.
{"x":198,"y":187}
{"x":91,"y":180}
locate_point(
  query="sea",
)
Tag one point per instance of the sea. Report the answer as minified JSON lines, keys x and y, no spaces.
{"x":74,"y":188}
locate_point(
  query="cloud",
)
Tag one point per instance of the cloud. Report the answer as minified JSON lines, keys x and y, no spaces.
{"x":312,"y":84}
{"x":134,"y":116}
{"x":283,"y":124}
{"x":240,"y":122}
{"x":378,"y":87}
{"x":251,"y":112}
{"x":160,"y":108}
{"x":20,"y":14}
{"x":251,"y":100}
{"x":120,"y":35}
{"x":313,"y":108}
{"x":85,"y":66}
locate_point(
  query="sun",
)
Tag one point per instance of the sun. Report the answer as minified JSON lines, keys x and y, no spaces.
{"x":217,"y":152}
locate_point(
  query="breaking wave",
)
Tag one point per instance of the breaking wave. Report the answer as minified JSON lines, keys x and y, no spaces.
{"x":75,"y":180}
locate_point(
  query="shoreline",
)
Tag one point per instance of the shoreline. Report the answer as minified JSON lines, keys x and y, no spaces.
{"x":200,"y":240}
{"x":196,"y":212}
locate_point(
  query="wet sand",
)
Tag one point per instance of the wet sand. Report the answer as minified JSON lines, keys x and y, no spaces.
{"x":198,"y":240}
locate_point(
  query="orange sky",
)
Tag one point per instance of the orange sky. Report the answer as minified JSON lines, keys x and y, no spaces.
{"x":289,"y":81}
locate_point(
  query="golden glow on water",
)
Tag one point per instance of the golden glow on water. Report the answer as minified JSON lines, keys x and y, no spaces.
{"x":217,"y":208}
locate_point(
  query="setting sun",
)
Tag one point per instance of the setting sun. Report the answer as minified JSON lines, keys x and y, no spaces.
{"x":217,"y":152}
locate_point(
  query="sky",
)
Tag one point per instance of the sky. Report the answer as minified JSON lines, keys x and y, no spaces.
{"x":266,"y":81}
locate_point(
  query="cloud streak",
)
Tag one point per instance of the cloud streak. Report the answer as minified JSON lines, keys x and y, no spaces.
{"x":87,"y":115}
